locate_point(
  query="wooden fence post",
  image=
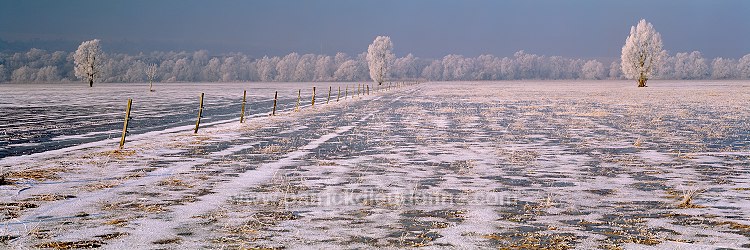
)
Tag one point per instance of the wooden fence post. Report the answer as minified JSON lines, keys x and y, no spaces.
{"x":339,"y":95}
{"x":299,"y":96}
{"x":242,"y":114}
{"x":346,"y":93}
{"x":125,"y":126}
{"x":275,"y":97}
{"x":313,"y":97}
{"x":329,"y":95}
{"x":368,"y":89}
{"x":200,"y":114}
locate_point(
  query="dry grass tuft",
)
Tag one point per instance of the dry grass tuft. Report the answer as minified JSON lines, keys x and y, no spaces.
{"x":111,"y":236}
{"x":167,"y":241}
{"x":638,"y":142}
{"x":49,"y":197}
{"x":36,"y":174}
{"x":327,"y":163}
{"x":150,"y":208}
{"x":14,"y":209}
{"x":174,"y":182}
{"x":116,"y":222}
{"x":270,"y":149}
{"x":71,"y":244}
{"x":100,"y":185}
{"x":119,"y":154}
{"x":687,"y":199}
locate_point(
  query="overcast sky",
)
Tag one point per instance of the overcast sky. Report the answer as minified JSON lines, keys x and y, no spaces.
{"x":426,"y":28}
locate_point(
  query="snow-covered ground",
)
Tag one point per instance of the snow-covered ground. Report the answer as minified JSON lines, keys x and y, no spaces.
{"x":557,"y":164}
{"x":38,"y":118}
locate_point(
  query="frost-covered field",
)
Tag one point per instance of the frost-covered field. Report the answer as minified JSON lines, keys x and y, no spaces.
{"x":598,"y":164}
{"x":37,"y":118}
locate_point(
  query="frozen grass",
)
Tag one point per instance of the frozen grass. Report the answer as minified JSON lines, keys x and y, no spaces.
{"x":534,"y":165}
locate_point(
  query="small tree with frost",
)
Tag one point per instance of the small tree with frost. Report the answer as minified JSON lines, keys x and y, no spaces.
{"x":593,"y":70}
{"x":151,"y":74}
{"x":88,"y":61}
{"x":642,"y":52}
{"x":380,"y":57}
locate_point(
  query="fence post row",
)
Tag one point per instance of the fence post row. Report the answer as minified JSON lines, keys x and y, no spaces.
{"x":242,"y":114}
{"x":125,"y":125}
{"x":200,"y":114}
{"x":362,"y":89}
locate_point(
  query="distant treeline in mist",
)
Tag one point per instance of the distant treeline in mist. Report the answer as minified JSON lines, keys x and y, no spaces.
{"x":40,"y":66}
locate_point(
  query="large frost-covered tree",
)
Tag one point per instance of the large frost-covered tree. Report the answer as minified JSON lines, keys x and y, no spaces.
{"x":88,"y":61}
{"x":380,"y":57}
{"x":642,"y":52}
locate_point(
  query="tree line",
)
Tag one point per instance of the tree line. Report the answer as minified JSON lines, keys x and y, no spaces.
{"x":42,"y":66}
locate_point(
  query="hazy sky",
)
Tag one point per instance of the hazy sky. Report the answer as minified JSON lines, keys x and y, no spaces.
{"x":426,"y":28}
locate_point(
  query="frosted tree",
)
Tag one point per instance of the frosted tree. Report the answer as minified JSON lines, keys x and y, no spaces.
{"x":406,"y":67}
{"x":743,"y":67}
{"x":348,"y":71}
{"x":690,"y":66}
{"x":88,"y":61}
{"x":642,"y":52}
{"x":593,"y":70}
{"x":508,"y":69}
{"x":229,"y":69}
{"x":2,"y":73}
{"x":305,"y":70}
{"x":488,"y":67}
{"x":286,"y":67}
{"x":434,"y":71}
{"x":457,"y":67}
{"x":615,"y":71}
{"x":722,"y":68}
{"x":267,"y":68}
{"x":324,"y":68}
{"x":528,"y":65}
{"x":212,"y":71}
{"x":47,"y":74}
{"x":24,"y":74}
{"x":151,"y":74}
{"x":380,"y":57}
{"x":339,"y":59}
